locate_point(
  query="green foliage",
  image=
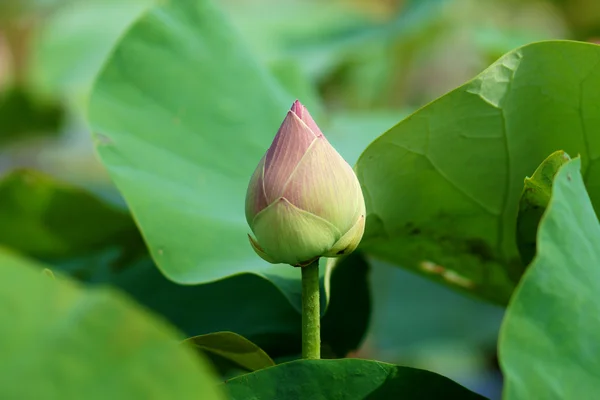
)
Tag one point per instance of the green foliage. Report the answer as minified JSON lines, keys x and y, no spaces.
{"x":534,"y":200}
{"x":48,"y":272}
{"x":181,"y":113}
{"x":348,"y":379}
{"x":549,"y":338}
{"x":247,"y":305}
{"x":83,"y":237}
{"x":357,"y":61}
{"x":188,"y":149}
{"x":583,"y":17}
{"x":49,"y":220}
{"x":65,"y":342}
{"x":351,"y":132}
{"x":230,"y":352}
{"x":343,"y":326}
{"x":24,"y":114}
{"x":15,"y":10}
{"x":442,"y":186}
{"x":75,"y":41}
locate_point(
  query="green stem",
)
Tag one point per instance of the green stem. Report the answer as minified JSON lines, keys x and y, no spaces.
{"x":311,"y":308}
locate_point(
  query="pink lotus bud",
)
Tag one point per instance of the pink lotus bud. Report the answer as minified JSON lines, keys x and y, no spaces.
{"x":304,"y":200}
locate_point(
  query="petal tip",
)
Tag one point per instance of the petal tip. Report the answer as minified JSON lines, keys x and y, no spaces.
{"x":349,"y":241}
{"x":297,"y":107}
{"x":260,"y":252}
{"x":303,"y":115}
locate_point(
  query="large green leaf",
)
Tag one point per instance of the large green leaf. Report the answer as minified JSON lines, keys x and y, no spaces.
{"x":182,"y":115}
{"x":442,"y":186}
{"x":348,"y":379}
{"x":184,"y":166}
{"x":548,"y":344}
{"x":83,"y":237}
{"x":61,"y":342}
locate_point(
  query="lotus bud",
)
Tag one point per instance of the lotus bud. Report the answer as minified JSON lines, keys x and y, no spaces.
{"x":304,"y":200}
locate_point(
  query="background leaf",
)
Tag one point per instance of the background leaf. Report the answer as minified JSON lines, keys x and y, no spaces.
{"x":247,"y":305}
{"x":549,"y":338}
{"x":85,"y":238}
{"x":344,"y":325}
{"x":534,"y":200}
{"x":442,"y":186}
{"x":74,"y":41}
{"x":231,"y":352}
{"x":49,"y":220}
{"x":351,"y":132}
{"x":24,"y":114}
{"x":346,"y":379}
{"x":94,"y":344}
{"x":418,"y":323}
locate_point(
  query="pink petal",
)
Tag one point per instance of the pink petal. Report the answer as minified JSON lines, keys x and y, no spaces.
{"x":304,"y":115}
{"x":325,"y":185}
{"x":255,"y":196}
{"x":286,"y":151}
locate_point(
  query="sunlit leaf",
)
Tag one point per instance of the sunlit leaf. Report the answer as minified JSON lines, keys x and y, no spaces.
{"x":549,"y":339}
{"x":442,"y":187}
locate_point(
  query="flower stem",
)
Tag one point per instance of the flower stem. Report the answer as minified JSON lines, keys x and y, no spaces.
{"x":311,"y":308}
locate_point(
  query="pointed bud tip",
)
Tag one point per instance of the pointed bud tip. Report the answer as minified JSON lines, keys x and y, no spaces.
{"x":297,"y":108}
{"x":301,"y":112}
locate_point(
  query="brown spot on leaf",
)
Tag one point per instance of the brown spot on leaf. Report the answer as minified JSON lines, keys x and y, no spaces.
{"x":480,"y":248}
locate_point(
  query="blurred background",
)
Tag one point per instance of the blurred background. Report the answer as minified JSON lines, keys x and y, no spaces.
{"x":364,"y":65}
